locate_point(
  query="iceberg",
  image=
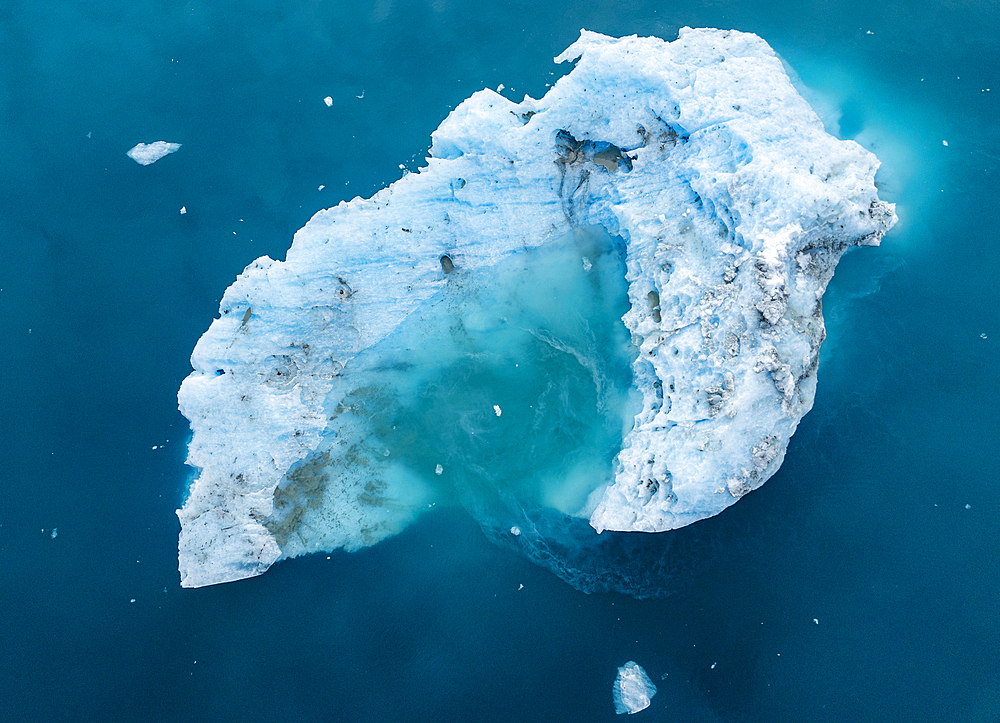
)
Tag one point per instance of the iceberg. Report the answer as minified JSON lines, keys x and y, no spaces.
{"x":599,"y":307}
{"x":633,"y":690}
{"x":146,"y":153}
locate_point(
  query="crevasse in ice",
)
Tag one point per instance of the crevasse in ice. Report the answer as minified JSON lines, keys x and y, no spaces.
{"x":604,"y":303}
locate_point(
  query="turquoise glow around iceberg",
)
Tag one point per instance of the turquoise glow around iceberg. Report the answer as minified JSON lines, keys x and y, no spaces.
{"x":508,"y":391}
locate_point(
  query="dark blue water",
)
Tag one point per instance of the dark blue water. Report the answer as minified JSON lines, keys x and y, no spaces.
{"x":881,"y":525}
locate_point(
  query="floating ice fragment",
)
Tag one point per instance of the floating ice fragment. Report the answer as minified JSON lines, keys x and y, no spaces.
{"x":587,"y":266}
{"x":515,"y":531}
{"x":713,"y":666}
{"x":146,"y":153}
{"x":321,"y":187}
{"x":633,"y":689}
{"x":496,"y":408}
{"x":329,"y":101}
{"x":816,"y":620}
{"x":982,"y":336}
{"x":55,"y":531}
{"x":500,"y":87}
{"x":439,"y":470}
{"x":968,"y":507}
{"x":944,"y":143}
{"x":520,"y":587}
{"x":184,"y":209}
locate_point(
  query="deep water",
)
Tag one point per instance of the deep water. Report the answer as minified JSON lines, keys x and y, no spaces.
{"x":859,"y":584}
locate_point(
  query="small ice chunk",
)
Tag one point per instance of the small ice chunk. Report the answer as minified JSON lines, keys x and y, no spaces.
{"x":982,"y":336}
{"x":496,"y":408}
{"x":146,"y":153}
{"x":439,"y":470}
{"x":329,"y":101}
{"x":816,"y":620}
{"x":520,"y":587}
{"x":944,"y":143}
{"x":587,"y":266}
{"x":184,"y":209}
{"x":500,"y":87}
{"x":55,"y":531}
{"x":633,"y":689}
{"x":321,"y":187}
{"x":968,"y":507}
{"x":515,"y":531}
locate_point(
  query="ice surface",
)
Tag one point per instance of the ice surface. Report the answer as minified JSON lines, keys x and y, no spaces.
{"x":633,"y":689}
{"x":146,"y":153}
{"x":631,"y":268}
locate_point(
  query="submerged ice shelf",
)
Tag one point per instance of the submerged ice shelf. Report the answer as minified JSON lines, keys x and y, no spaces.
{"x":605,"y":302}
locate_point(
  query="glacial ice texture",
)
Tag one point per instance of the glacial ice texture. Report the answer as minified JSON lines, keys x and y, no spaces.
{"x":146,"y":153}
{"x":603,"y":304}
{"x":633,"y":690}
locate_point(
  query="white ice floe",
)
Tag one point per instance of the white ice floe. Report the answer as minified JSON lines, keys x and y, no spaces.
{"x":329,"y":101}
{"x":633,"y":690}
{"x":734,"y":206}
{"x":146,"y":153}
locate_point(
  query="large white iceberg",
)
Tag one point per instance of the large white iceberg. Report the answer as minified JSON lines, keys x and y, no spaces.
{"x":633,"y":690}
{"x":690,"y":173}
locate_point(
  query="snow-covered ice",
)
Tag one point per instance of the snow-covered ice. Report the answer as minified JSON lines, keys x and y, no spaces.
{"x":633,"y":690}
{"x":732,"y":205}
{"x":146,"y":153}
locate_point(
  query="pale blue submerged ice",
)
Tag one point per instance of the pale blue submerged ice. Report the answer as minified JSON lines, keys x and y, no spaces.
{"x":605,"y":303}
{"x":633,"y":690}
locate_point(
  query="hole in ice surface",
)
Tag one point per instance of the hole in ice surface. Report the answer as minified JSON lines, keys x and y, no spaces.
{"x":538,"y":337}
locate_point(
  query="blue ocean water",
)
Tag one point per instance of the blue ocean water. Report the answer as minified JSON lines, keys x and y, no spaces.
{"x":860,"y":583}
